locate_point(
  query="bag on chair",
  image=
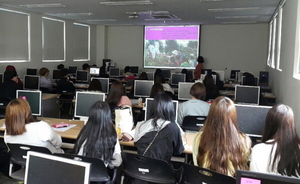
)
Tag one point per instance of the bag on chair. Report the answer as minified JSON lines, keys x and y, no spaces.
{"x":123,"y":119}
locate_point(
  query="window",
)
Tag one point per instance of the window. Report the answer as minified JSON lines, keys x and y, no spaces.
{"x":15,"y":45}
{"x":54,"y":40}
{"x":279,"y":36}
{"x":269,"y":61}
{"x":81,"y":42}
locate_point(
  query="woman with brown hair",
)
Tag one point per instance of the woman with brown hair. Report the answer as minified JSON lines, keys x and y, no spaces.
{"x":116,"y":96}
{"x":219,"y":145}
{"x":22,"y":128}
{"x":279,"y":152}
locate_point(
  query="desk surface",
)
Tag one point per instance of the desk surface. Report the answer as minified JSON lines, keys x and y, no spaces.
{"x":72,"y":133}
{"x":46,"y":96}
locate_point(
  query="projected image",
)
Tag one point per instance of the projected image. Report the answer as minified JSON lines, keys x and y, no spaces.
{"x":171,"y":46}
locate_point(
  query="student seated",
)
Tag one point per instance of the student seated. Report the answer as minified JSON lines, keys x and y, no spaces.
{"x":219,"y":145}
{"x":212,"y":91}
{"x":22,"y":128}
{"x":95,"y":85}
{"x":98,"y":137}
{"x":63,"y":84}
{"x":156,"y":88}
{"x":12,"y":68}
{"x":9,"y":87}
{"x":45,"y":83}
{"x":279,"y":152}
{"x":116,"y":96}
{"x":196,"y":106}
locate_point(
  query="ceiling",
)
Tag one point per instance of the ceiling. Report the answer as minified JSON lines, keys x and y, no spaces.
{"x":153,"y":12}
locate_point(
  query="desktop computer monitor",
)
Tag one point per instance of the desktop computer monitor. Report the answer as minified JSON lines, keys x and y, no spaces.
{"x":263,"y":78}
{"x":248,"y":177}
{"x":251,"y":118}
{"x":206,"y":71}
{"x":134,"y":69}
{"x":31,"y":71}
{"x":34,"y":98}
{"x":184,"y":90}
{"x":150,"y":75}
{"x":56,"y":74}
{"x":31,"y":82}
{"x":72,"y":69}
{"x":82,"y":76}
{"x":247,"y":94}
{"x":114,"y":72}
{"x":95,"y":71}
{"x":84,"y":101}
{"x":166,"y":73}
{"x":234,"y":74}
{"x":104,"y":84}
{"x":48,"y":169}
{"x":142,"y":88}
{"x":1,"y":78}
{"x":150,"y":109}
{"x":177,"y":77}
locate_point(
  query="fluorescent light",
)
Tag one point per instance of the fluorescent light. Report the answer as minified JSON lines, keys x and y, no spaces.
{"x":162,"y":19}
{"x":243,"y":22}
{"x":233,"y":9}
{"x":123,"y":3}
{"x":210,"y":0}
{"x":101,"y":20}
{"x":54,"y":5}
{"x":236,"y":17}
{"x":72,"y":14}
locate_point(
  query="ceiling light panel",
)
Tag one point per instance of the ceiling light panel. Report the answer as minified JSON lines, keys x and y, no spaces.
{"x":233,"y":9}
{"x":54,"y":5}
{"x":124,"y":3}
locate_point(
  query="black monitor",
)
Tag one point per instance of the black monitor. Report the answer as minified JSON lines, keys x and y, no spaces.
{"x":72,"y":69}
{"x":104,"y":84}
{"x":114,"y":72}
{"x":84,"y":101}
{"x":263,"y":78}
{"x":48,"y":169}
{"x":250,"y":177}
{"x":31,"y":82}
{"x":95,"y":71}
{"x":150,"y":75}
{"x":206,"y":71}
{"x":166,"y":73}
{"x":31,"y":71}
{"x":56,"y":74}
{"x":149,"y":108}
{"x":251,"y":118}
{"x":234,"y":74}
{"x":247,"y":94}
{"x":34,"y":98}
{"x":1,"y":78}
{"x":82,"y":76}
{"x":142,"y":88}
{"x":177,"y":77}
{"x":134,"y":69}
{"x":184,"y":90}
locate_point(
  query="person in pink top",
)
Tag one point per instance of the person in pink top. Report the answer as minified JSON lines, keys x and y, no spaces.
{"x":116,"y":96}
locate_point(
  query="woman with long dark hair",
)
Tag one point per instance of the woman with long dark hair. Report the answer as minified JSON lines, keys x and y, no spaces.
{"x":279,"y":152}
{"x":219,"y":145}
{"x":98,"y":137}
{"x":116,"y":96}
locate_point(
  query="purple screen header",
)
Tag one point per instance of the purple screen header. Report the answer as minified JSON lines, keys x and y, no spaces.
{"x":172,"y":33}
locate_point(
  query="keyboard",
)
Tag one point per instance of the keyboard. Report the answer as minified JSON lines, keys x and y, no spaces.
{"x":81,"y":85}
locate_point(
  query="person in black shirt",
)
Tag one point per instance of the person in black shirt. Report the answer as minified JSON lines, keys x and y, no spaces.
{"x":9,"y":87}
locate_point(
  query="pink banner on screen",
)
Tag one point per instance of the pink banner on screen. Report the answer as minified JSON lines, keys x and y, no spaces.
{"x":172,"y":33}
{"x":249,"y":181}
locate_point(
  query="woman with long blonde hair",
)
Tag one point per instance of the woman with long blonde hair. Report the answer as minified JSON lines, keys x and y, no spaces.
{"x":219,"y":145}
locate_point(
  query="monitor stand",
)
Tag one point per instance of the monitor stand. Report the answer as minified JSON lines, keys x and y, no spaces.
{"x":85,"y":119}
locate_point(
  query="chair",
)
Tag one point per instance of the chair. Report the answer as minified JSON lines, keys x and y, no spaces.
{"x":99,"y":172}
{"x":193,"y":123}
{"x":194,"y":175}
{"x":18,"y":156}
{"x":147,"y":169}
{"x":66,"y":98}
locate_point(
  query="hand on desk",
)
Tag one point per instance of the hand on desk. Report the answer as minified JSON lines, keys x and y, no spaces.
{"x":126,"y":137}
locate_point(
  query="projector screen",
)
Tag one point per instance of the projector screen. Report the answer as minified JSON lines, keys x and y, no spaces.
{"x":171,"y":46}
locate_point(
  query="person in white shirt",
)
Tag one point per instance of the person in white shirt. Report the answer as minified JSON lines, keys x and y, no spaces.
{"x":98,"y":138}
{"x":196,"y":106}
{"x":44,"y":81}
{"x":279,"y":152}
{"x":22,"y":128}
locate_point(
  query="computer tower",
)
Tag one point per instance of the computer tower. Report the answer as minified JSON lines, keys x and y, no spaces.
{"x":263,"y":78}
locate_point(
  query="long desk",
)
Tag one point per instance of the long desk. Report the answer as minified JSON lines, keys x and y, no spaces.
{"x":71,"y":134}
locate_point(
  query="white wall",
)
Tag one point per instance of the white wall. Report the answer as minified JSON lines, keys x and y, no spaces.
{"x":284,"y":85}
{"x":36,"y":48}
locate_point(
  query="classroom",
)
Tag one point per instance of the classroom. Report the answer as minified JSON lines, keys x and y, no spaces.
{"x":224,"y":47}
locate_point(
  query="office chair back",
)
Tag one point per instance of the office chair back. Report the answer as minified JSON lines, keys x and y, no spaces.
{"x":194,"y":175}
{"x":193,"y":123}
{"x":98,"y":170}
{"x":147,"y":169}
